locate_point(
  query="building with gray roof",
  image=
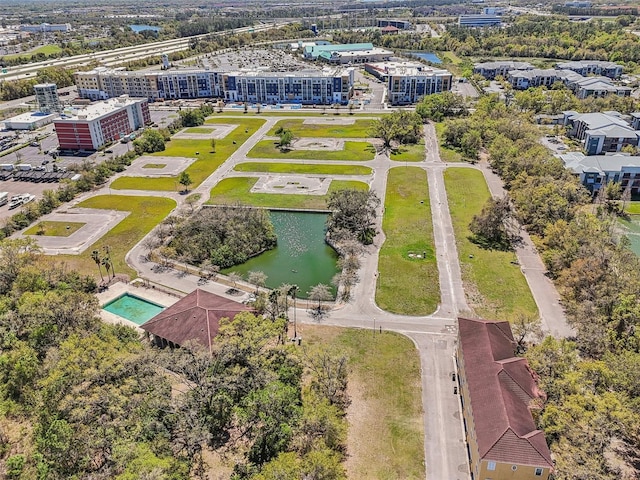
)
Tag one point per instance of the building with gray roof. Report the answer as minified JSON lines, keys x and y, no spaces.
{"x":595,"y":171}
{"x":601,"y":132}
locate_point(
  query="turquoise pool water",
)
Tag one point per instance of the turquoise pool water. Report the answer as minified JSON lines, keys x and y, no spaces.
{"x":134,"y":309}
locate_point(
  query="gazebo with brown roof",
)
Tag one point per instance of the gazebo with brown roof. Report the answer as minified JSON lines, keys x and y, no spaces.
{"x":389,"y":29}
{"x":194,"y":318}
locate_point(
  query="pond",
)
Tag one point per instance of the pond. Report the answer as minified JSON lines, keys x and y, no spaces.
{"x":140,"y":28}
{"x":631,"y":229}
{"x":428,"y":56}
{"x":302,"y":257}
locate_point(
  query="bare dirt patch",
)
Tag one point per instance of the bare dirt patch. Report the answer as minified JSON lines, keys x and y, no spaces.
{"x":292,"y":184}
{"x":317,"y":144}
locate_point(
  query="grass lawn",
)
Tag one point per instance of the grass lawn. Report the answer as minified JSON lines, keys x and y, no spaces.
{"x":385,"y":432}
{"x":407,"y":285}
{"x":632,"y":208}
{"x":409,"y":153}
{"x":45,"y":50}
{"x":494,"y":286}
{"x":154,"y":165}
{"x":353,"y":152}
{"x":199,"y":130}
{"x":206,"y":163}
{"x":54,"y":229}
{"x":446,"y":154}
{"x":303,"y":169}
{"x":146,"y":213}
{"x":360,"y":129}
{"x":237,"y":190}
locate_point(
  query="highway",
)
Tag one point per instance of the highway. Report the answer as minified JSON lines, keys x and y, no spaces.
{"x":123,"y":55}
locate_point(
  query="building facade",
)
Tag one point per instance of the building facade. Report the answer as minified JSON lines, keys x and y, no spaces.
{"x":600,"y":132}
{"x":95,"y":125}
{"x":309,"y":87}
{"x":595,"y":171}
{"x":46,"y":27}
{"x":47,"y":98}
{"x":407,"y":82}
{"x":491,"y":70}
{"x":497,"y":390}
{"x":345,"y":54}
{"x":593,"y":67}
{"x":479,"y":20}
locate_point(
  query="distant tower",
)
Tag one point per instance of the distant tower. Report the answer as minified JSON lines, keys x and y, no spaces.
{"x":47,"y":98}
{"x":165,"y":61}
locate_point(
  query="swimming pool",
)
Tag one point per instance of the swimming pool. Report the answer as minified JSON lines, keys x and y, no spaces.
{"x":135,"y":309}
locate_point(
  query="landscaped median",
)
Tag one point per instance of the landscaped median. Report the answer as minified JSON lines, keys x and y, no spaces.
{"x":494,"y":285}
{"x":353,"y":152}
{"x":408,"y":282}
{"x":237,"y":190}
{"x":302,"y":169}
{"x":206,"y":161}
{"x":146,"y":213}
{"x":386,"y":433}
{"x":343,"y":127}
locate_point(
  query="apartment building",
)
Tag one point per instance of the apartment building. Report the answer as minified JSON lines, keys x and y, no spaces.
{"x":407,"y":82}
{"x":595,"y":171}
{"x":593,"y":67}
{"x":497,"y":390}
{"x":490,"y":70}
{"x":92,"y":126}
{"x":600,"y":132}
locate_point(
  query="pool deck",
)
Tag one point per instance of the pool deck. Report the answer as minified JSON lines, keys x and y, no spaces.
{"x":118,"y":289}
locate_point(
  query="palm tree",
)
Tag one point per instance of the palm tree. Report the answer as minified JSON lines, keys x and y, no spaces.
{"x":95,"y":256}
{"x":293,"y":290}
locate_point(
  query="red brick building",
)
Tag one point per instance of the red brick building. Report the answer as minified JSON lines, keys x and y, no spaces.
{"x":498,"y":391}
{"x":93,"y":126}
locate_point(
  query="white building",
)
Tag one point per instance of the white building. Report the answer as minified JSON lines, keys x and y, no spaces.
{"x":407,"y":82}
{"x":29,"y":120}
{"x":46,"y":27}
{"x":480,"y":20}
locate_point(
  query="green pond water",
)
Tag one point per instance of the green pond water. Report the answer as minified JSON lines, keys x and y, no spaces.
{"x":631,"y":229}
{"x":302,"y":257}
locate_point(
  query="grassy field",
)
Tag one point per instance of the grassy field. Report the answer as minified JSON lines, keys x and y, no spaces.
{"x":237,"y":190}
{"x":446,"y":154}
{"x":385,"y":436}
{"x":407,"y":285}
{"x":353,"y":152}
{"x":323,"y":169}
{"x":45,"y":50}
{"x":494,"y":285}
{"x":207,"y":162}
{"x":154,"y":165}
{"x":146,"y":213}
{"x":199,"y":130}
{"x":54,"y":229}
{"x":409,"y":153}
{"x":632,"y":208}
{"x":360,"y":129}
{"x":330,"y":113}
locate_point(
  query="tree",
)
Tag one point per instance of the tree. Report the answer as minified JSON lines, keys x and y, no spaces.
{"x":184,"y":179}
{"x":526,"y":327}
{"x":320,"y":293}
{"x":234,"y":277}
{"x":258,"y":278}
{"x":353,"y":211}
{"x":489,"y":227}
{"x":400,"y":126}
{"x":95,"y":256}
{"x":438,"y":106}
{"x":213,"y":145}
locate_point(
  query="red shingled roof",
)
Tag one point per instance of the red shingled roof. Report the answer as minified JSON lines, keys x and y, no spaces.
{"x":390,"y":29}
{"x":195,"y":317}
{"x":501,"y":389}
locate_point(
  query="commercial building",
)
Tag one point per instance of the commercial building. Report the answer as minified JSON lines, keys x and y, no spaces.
{"x":46,"y":27}
{"x":497,"y":390}
{"x":391,"y":22}
{"x":326,"y":86}
{"x":491,"y":70}
{"x":47,"y":98}
{"x":351,"y":53}
{"x":29,"y":121}
{"x":407,"y":82}
{"x":593,"y":67}
{"x":595,"y":171}
{"x":600,"y":132}
{"x":93,"y":126}
{"x":479,"y":20}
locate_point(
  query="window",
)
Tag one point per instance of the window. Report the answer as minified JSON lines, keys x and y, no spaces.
{"x":538,"y":472}
{"x":491,"y":466}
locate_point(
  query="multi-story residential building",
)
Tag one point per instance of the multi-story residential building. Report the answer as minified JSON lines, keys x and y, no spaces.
{"x":491,"y":70}
{"x":479,"y":20}
{"x":595,"y":171}
{"x":600,"y":132}
{"x":593,"y":67}
{"x":407,"y":82}
{"x":92,"y":126}
{"x":597,"y":87}
{"x":393,"y":22}
{"x":497,"y":390}
{"x":327,"y":86}
{"x":523,"y":79}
